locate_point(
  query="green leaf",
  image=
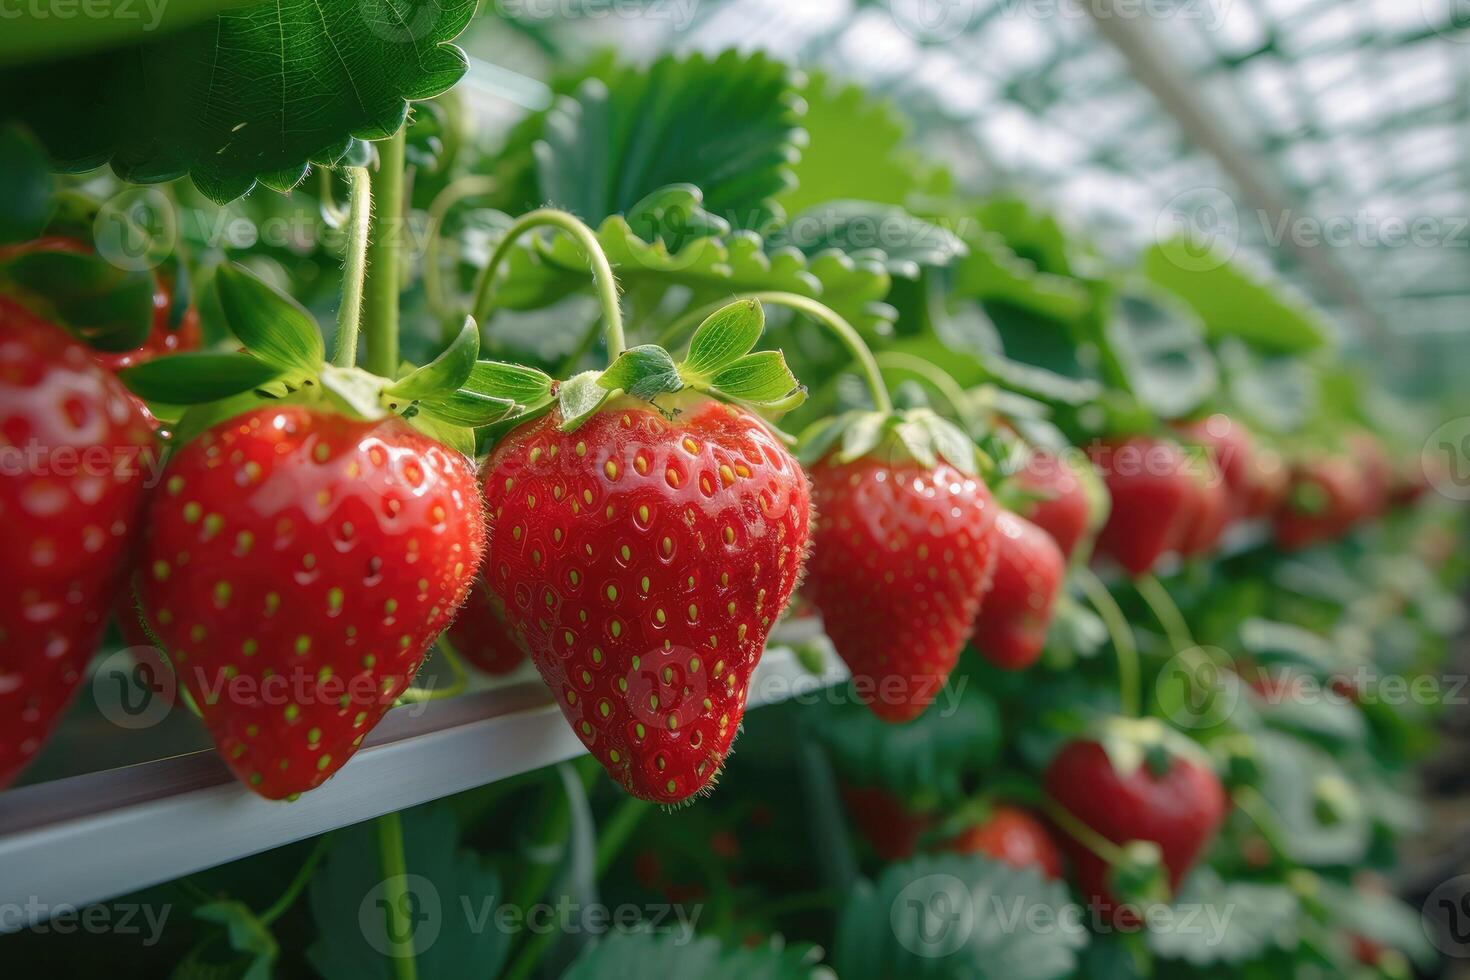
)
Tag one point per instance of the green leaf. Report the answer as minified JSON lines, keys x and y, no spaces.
{"x":1212,"y":921}
{"x":356,"y":392}
{"x":543,"y":270}
{"x":863,"y":433}
{"x":271,"y":325}
{"x":579,"y":398}
{"x":197,"y":376}
{"x":933,"y":756}
{"x":643,"y":372}
{"x":1292,"y":771}
{"x":725,"y":335}
{"x":495,"y":379}
{"x":1160,"y":346}
{"x":1381,"y":917}
{"x":464,"y":407}
{"x":25,"y":185}
{"x":641,"y":954}
{"x":903,"y":242}
{"x":460,"y":438}
{"x":1234,"y":301}
{"x":246,"y":934}
{"x":251,"y":94}
{"x":446,"y":372}
{"x":729,"y":125}
{"x":958,"y":916}
{"x":992,"y":272}
{"x":453,"y":897}
{"x":856,"y":150}
{"x":949,"y":441}
{"x":761,"y":378}
{"x":109,"y":308}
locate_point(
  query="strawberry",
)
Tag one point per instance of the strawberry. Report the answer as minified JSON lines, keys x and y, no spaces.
{"x":1011,"y":628}
{"x":482,"y":636}
{"x":1153,"y":498}
{"x":903,"y":555}
{"x":889,"y":825}
{"x":1014,"y":836}
{"x":1060,"y":504}
{"x":1376,"y":472}
{"x":1166,"y":798}
{"x":643,"y":561}
{"x":70,"y":497}
{"x":1209,"y":517}
{"x":300,"y":563}
{"x":1325,"y":499}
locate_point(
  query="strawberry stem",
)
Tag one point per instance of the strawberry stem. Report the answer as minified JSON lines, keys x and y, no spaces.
{"x":1125,"y":647}
{"x":458,"y":190}
{"x":943,"y":384}
{"x":1162,"y":605}
{"x":460,"y":681}
{"x":1262,"y":814}
{"x":386,"y":236}
{"x":603,"y":279}
{"x":824,"y":315}
{"x":394,"y":868}
{"x":1074,"y":828}
{"x":354,"y":267}
{"x":293,"y":890}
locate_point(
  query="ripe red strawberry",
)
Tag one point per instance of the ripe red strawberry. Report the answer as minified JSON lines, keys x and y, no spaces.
{"x":1209,"y":517}
{"x":1375,"y":472}
{"x":902,"y":558}
{"x":889,"y":825}
{"x":1061,"y":507}
{"x":1180,"y":809}
{"x":644,"y":561}
{"x":1014,"y":836}
{"x":1011,"y":628}
{"x":1325,"y":499}
{"x":76,"y":457}
{"x":1153,"y":493}
{"x":482,"y":636}
{"x":298,"y":567}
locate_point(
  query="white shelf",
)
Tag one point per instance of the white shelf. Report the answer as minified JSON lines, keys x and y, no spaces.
{"x":89,"y":838}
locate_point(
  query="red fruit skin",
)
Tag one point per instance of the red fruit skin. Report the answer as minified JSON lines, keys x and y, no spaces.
{"x":481,"y":635}
{"x":1208,"y":520}
{"x":71,"y":519}
{"x":299,"y":565}
{"x":902,"y":558}
{"x":1153,"y":494}
{"x":891,"y":828}
{"x":643,"y":562}
{"x":1011,"y":628}
{"x":1180,"y":811}
{"x":1060,"y":508}
{"x":1335,"y":480}
{"x":1375,"y":473}
{"x":1014,"y":836}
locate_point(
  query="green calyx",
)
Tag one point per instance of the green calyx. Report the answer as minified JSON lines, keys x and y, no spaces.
{"x":284,"y":359}
{"x":720,"y":363}
{"x":1134,"y":743}
{"x":917,"y":434}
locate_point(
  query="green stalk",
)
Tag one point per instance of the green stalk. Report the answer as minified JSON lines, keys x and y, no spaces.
{"x":459,"y":681}
{"x":1158,"y":600}
{"x":944,"y":385}
{"x":1099,"y":845}
{"x":298,"y":883}
{"x":1125,"y":647}
{"x":394,"y":868}
{"x":380,"y":296}
{"x":617,"y":830}
{"x":603,"y":279}
{"x":354,"y":268}
{"x":473,"y":185}
{"x":826,"y":316}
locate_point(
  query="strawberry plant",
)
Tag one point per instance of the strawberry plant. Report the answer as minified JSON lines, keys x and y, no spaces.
{"x":922,"y":587}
